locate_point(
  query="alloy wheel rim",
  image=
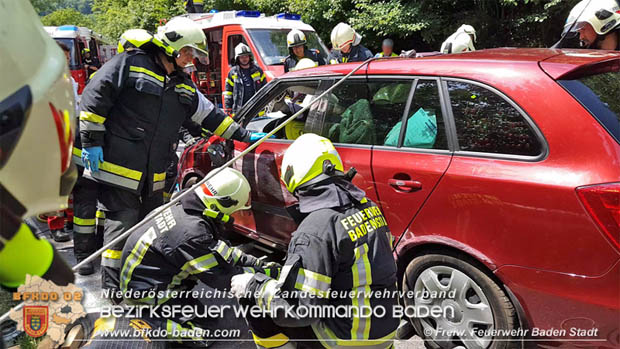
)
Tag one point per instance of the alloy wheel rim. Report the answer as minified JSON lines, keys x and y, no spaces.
{"x":470,"y":321}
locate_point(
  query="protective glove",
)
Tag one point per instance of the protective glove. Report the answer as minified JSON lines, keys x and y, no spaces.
{"x":91,"y":157}
{"x":239,"y":284}
{"x":255,"y":136}
{"x":263,"y":264}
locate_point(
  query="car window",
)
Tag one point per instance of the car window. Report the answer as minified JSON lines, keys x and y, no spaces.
{"x":358,"y":112}
{"x":487,"y":123}
{"x":272,"y":46}
{"x":599,"y":93}
{"x":424,"y":123}
{"x":280,"y":104}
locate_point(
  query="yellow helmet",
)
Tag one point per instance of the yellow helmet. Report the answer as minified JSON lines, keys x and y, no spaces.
{"x":310,"y":159}
{"x":182,"y":32}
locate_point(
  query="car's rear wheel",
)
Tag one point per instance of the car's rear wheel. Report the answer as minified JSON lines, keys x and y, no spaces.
{"x":473,"y":307}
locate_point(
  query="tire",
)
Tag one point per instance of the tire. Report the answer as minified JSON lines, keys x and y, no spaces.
{"x":468,"y":317}
{"x":191,"y":181}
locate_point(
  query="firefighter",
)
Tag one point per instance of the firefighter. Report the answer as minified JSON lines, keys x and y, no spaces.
{"x":346,"y":45}
{"x":182,"y":245}
{"x":597,"y":22}
{"x":298,"y":50}
{"x":131,"y":114}
{"x":461,"y":41}
{"x":343,"y":244}
{"x":244,"y":80}
{"x":387,"y":49}
{"x":91,"y":62}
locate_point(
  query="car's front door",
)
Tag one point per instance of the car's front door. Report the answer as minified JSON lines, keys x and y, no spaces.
{"x":412,"y":151}
{"x":271,"y":218}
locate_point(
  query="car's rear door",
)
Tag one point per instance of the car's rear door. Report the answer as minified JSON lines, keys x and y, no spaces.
{"x":412,"y":151}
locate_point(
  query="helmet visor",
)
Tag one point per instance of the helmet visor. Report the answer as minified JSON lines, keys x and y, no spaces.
{"x":574,"y":31}
{"x":195,"y":53}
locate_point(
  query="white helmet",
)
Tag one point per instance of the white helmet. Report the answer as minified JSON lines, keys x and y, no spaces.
{"x":38,"y":116}
{"x":467,"y":29}
{"x":305,"y":63}
{"x":226,"y":192}
{"x":182,"y":32}
{"x":342,"y":35}
{"x":242,"y":49}
{"x":310,"y":159}
{"x":295,"y":38}
{"x":603,"y":15}
{"x":460,"y":41}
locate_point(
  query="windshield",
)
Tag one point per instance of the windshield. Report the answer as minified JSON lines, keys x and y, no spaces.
{"x":70,"y":43}
{"x":599,"y":94}
{"x":271,"y":44}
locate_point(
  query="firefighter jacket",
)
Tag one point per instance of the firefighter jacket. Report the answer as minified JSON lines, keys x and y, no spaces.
{"x":233,"y":94}
{"x":134,"y":111}
{"x":291,"y":61}
{"x":177,"y":248}
{"x":358,"y":53}
{"x":342,"y":245}
{"x":381,"y":54}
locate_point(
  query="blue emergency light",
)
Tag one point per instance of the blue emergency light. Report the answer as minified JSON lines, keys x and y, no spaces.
{"x":214,"y":11}
{"x":245,"y":13}
{"x":286,"y":15}
{"x":68,"y":27}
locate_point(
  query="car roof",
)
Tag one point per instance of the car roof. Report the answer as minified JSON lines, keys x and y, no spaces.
{"x":555,"y":62}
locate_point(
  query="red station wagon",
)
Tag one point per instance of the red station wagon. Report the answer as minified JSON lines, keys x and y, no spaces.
{"x":498,"y":172}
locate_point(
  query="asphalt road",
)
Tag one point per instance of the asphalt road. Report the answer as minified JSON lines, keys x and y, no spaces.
{"x":93,"y":301}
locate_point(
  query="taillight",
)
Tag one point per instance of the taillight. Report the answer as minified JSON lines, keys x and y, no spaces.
{"x":602,"y":201}
{"x":62,"y":119}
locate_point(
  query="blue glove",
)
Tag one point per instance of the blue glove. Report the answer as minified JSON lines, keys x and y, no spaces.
{"x":258,"y":135}
{"x":91,"y":157}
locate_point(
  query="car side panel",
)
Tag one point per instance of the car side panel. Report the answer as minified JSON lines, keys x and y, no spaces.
{"x":527,"y":213}
{"x":586,"y":303}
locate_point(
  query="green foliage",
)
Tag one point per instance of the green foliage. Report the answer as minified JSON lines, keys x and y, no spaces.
{"x":67,"y":16}
{"x":419,"y":24}
{"x":44,"y":7}
{"x":113,"y":17}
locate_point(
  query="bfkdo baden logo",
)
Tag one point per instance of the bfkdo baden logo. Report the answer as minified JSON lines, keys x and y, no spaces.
{"x":48,"y":308}
{"x":36,"y":318}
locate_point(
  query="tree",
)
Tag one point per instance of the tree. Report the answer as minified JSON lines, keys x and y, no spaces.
{"x":45,"y":7}
{"x":419,"y":24}
{"x":113,"y":17}
{"x":67,"y":16}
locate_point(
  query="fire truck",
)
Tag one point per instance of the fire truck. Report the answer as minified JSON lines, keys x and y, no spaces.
{"x":265,"y":35}
{"x":77,"y":39}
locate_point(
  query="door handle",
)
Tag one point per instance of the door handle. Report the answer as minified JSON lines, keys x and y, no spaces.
{"x":404,"y":185}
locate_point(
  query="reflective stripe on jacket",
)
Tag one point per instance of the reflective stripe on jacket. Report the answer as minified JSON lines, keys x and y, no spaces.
{"x":178,"y":247}
{"x":342,"y":248}
{"x":233,"y":93}
{"x":134,"y":111}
